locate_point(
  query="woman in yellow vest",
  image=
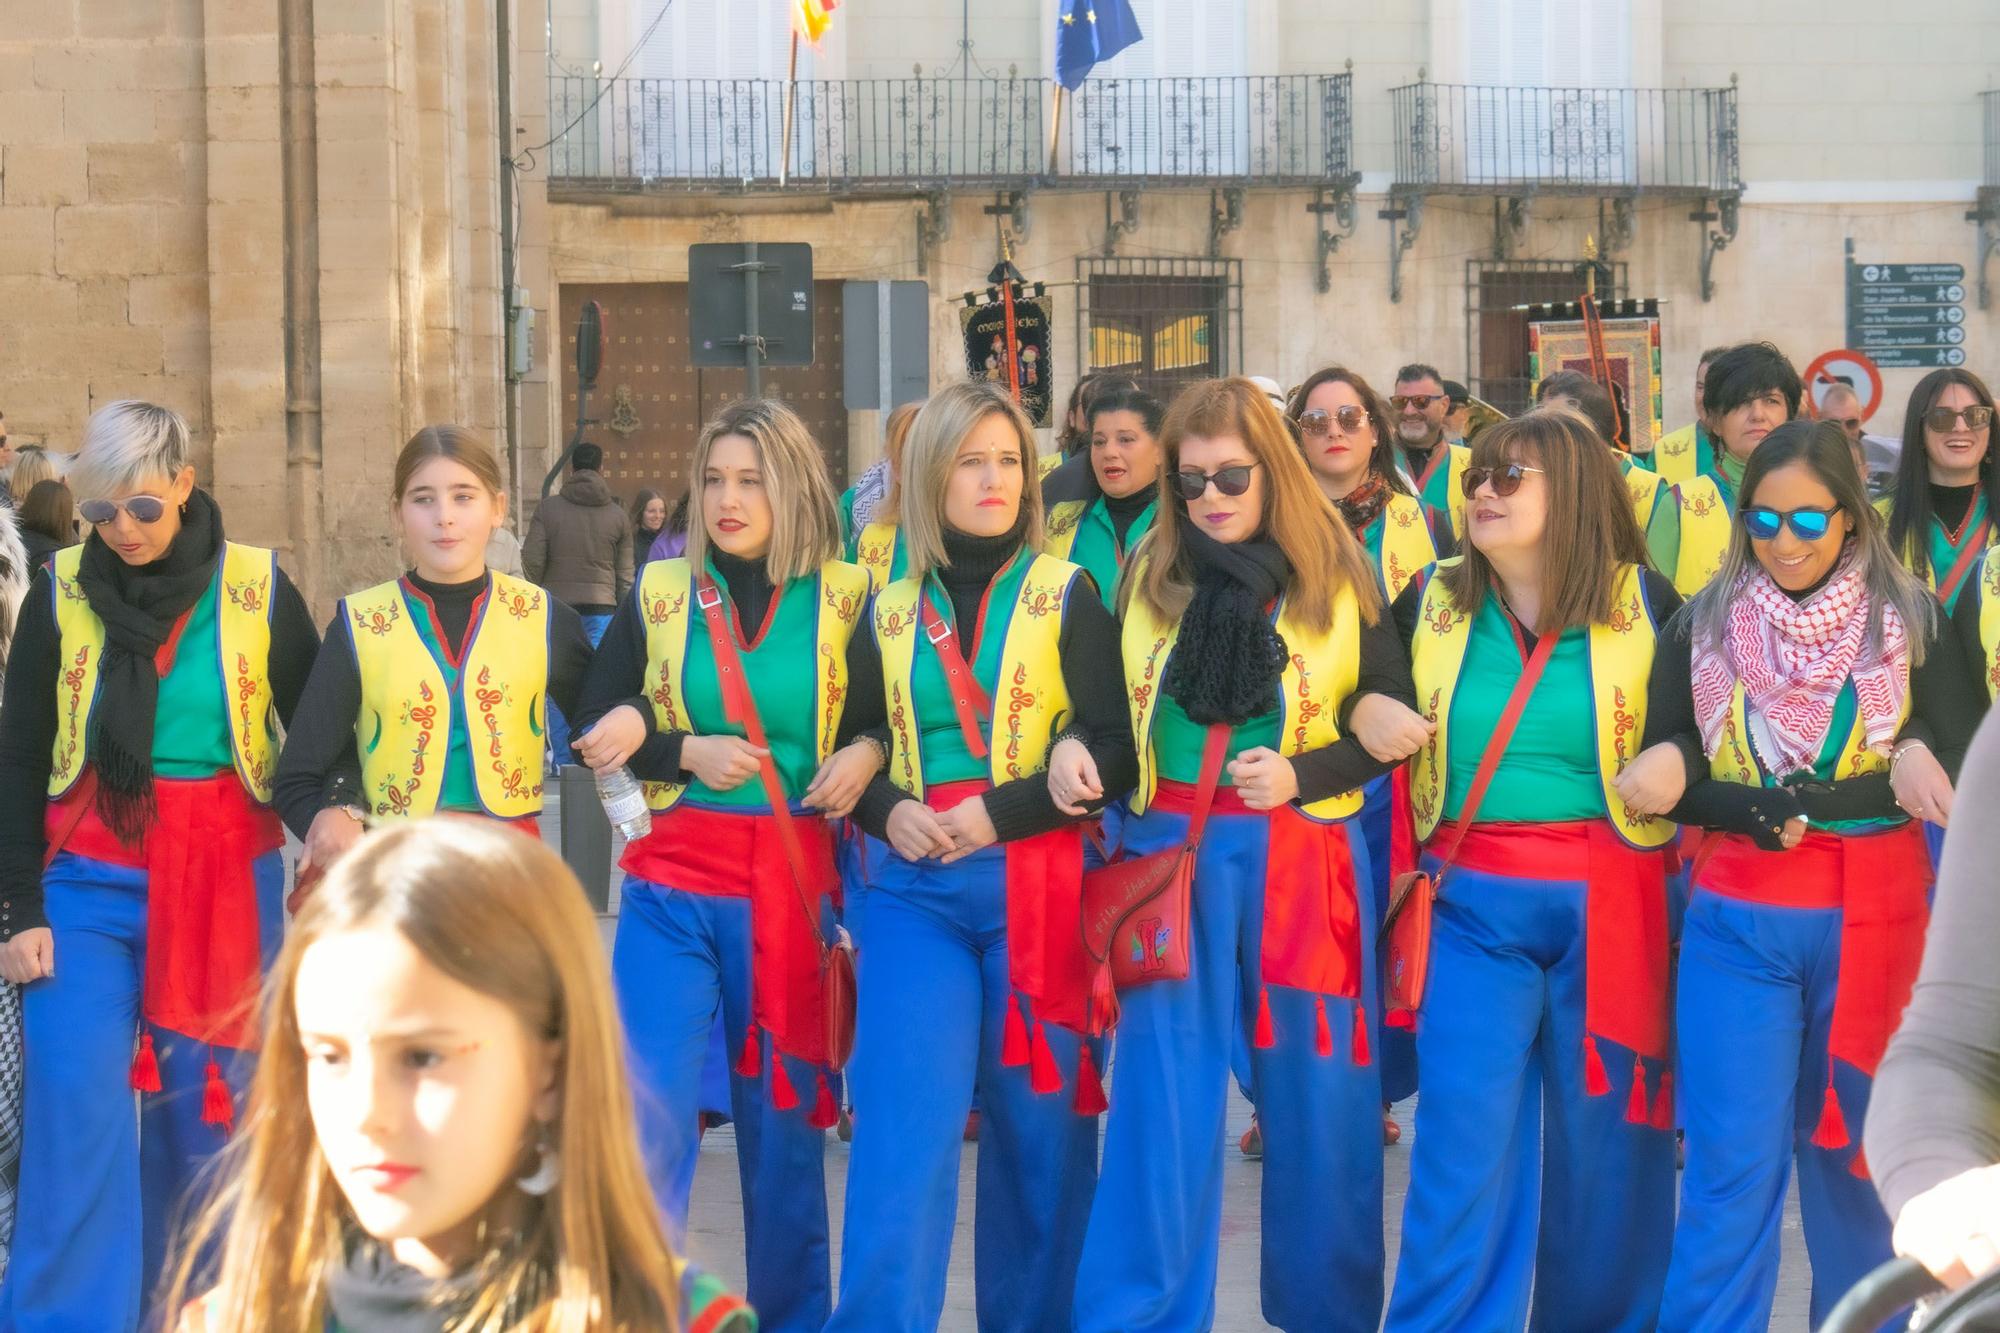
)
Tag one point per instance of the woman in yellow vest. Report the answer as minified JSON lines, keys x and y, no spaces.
{"x":1747,"y":392}
{"x":873,"y":542}
{"x":1099,"y":532}
{"x":143,"y":881}
{"x":1652,"y":498}
{"x":1803,"y":709}
{"x":1252,"y":632}
{"x":973,"y":970}
{"x":431,"y":692}
{"x":1939,"y":515}
{"x":1544,"y":1155}
{"x":713,"y":919}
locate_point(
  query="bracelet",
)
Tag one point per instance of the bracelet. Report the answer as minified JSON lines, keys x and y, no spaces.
{"x":1896,"y":754}
{"x":874,"y":743}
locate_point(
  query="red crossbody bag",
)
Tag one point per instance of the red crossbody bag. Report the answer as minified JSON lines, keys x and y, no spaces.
{"x":836,"y":954}
{"x":1406,"y":929}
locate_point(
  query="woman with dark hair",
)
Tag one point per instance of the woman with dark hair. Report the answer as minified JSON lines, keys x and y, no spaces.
{"x":649,"y":519}
{"x":1125,"y":471}
{"x":1939,"y":513}
{"x":1543,"y":1159}
{"x":1805,"y":708}
{"x":673,"y":535}
{"x":1070,"y":477}
{"x":1748,"y":392}
{"x":1652,"y":498}
{"x":48,"y":520}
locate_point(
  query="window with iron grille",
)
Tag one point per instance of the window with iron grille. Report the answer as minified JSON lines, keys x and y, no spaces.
{"x":1496,"y":328}
{"x":1165,"y":322}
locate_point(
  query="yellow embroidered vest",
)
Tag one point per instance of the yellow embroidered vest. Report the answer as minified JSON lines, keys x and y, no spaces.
{"x":404,"y":727}
{"x":668,"y":610}
{"x":1676,"y":456}
{"x":1645,"y":490}
{"x":1031,"y":697}
{"x":1406,"y":544}
{"x":1059,"y":529}
{"x":1989,"y":624}
{"x":243,"y":626}
{"x":1734,"y":762}
{"x":1321,"y":671}
{"x":1456,"y":461}
{"x":1621,"y":663}
{"x":875,"y":551}
{"x":1705,"y":523}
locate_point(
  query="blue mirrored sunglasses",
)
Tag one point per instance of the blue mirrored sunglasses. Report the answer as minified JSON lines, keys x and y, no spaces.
{"x":1808,"y":525}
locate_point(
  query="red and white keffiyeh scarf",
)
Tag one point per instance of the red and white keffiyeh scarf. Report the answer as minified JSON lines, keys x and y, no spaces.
{"x":1793,"y":658}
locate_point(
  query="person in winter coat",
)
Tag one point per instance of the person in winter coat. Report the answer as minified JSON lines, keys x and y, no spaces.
{"x":579,"y":548}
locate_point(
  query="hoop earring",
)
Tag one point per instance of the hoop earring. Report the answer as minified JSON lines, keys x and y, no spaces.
{"x":548,"y":1167}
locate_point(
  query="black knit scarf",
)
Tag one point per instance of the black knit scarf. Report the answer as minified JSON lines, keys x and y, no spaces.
{"x":139,"y":605}
{"x":1229,"y":658}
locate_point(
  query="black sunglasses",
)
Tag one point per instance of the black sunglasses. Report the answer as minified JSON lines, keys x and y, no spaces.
{"x":1403,"y":402}
{"x":1506,"y":480}
{"x":1942,"y":419}
{"x":1808,"y":525}
{"x":1319,"y":421}
{"x":143,"y":509}
{"x":1232,"y":480}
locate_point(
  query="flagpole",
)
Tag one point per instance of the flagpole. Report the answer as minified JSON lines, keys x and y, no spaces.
{"x":1055,"y":128}
{"x":791,"y":91}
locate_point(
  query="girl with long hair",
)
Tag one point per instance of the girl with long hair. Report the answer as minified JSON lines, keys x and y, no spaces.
{"x":1803,"y":710}
{"x":432,"y":690}
{"x":873,"y":539}
{"x":440,"y":1133}
{"x":973,"y":969}
{"x":1099,"y":533}
{"x":713,"y":917}
{"x":141,"y":873}
{"x":1252,"y":632}
{"x":1544,"y":1157}
{"x":649,"y":519}
{"x":1939,"y":514}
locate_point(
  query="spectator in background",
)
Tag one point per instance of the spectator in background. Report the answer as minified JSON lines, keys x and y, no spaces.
{"x":1072,"y":479}
{"x":47,"y":515}
{"x":872,"y":497}
{"x":1875,"y":456}
{"x":1652,"y":499}
{"x":6,"y":464}
{"x":580,"y":548}
{"x":673,"y":538}
{"x":1687,"y":453}
{"x":1430,"y":464}
{"x":1458,"y":412}
{"x":649,"y":519}
{"x":32,"y":464}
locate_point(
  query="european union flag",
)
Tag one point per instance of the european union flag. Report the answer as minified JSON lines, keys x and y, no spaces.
{"x":1090,"y":31}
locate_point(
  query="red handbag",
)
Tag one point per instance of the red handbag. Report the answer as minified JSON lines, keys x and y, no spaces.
{"x":1136,"y":913}
{"x":1406,"y":927}
{"x":836,"y":954}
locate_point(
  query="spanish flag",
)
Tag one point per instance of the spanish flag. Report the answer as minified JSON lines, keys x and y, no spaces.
{"x":811,"y":18}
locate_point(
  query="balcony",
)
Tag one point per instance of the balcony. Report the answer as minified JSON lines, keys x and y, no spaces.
{"x":1598,"y":142}
{"x":903,"y":137}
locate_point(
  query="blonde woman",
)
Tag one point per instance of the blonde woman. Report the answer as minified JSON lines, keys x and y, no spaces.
{"x":868,"y":508}
{"x":440,"y":1132}
{"x":713,"y":917}
{"x":974,"y":977}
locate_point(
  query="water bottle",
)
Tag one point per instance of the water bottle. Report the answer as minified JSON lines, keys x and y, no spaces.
{"x":624,"y":803}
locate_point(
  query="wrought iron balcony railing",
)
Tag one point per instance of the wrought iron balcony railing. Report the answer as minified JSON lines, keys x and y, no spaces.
{"x":903,"y":136}
{"x":1460,"y":139}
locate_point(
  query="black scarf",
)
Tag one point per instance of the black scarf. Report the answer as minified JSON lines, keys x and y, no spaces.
{"x":139,"y":605}
{"x":1230,"y":656}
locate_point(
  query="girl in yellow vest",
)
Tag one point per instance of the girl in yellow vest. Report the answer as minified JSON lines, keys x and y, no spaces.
{"x":873,"y":541}
{"x":1939,"y":515}
{"x":143,"y":881}
{"x":1544,"y":1154}
{"x":973,"y":962}
{"x":713,"y":919}
{"x":1253,"y":636}
{"x":1748,"y":392}
{"x":1806,"y":706}
{"x":440,"y":1131}
{"x":431,"y":693}
{"x":1099,"y":532}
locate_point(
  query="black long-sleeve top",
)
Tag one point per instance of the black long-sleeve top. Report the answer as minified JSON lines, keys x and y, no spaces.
{"x":1088,"y":648}
{"x":1944,"y":709}
{"x":1346,"y":765}
{"x":28,"y":722}
{"x":321,"y":765}
{"x":1965,"y":626}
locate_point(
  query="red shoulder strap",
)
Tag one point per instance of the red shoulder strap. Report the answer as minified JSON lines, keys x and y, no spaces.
{"x":741,"y":708}
{"x":1496,"y":745}
{"x":967,"y":698}
{"x":1215,"y":745}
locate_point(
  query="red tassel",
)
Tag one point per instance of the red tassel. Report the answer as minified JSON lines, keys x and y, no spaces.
{"x":1858,"y":1168}
{"x":1013,"y":1038}
{"x":1358,"y":1044}
{"x":783,"y":1095}
{"x":1595,"y":1081}
{"x":1831,"y":1132}
{"x":1103,"y":1002}
{"x":824,"y":1113}
{"x":1323,"y":1038}
{"x":1635,"y":1104}
{"x":1043,"y":1076}
{"x":1663,"y":1102}
{"x":1402,"y":1020}
{"x":145,"y":1066}
{"x":1090,"y":1098}
{"x":751,"y":1062}
{"x":217,"y":1107}
{"x":1266,"y":1037}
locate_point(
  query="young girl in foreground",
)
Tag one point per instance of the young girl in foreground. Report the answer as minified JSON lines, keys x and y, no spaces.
{"x":466,"y":1158}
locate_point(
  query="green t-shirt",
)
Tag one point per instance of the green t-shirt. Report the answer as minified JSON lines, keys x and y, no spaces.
{"x":1098,"y":550}
{"x":191,"y":725}
{"x":942,"y":742}
{"x":780,"y":667}
{"x":1663,"y":525}
{"x":1178,"y":740}
{"x":1549,"y":772}
{"x":460,"y":790}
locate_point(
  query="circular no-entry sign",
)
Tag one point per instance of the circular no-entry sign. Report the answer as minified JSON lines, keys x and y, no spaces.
{"x":1842,"y":366}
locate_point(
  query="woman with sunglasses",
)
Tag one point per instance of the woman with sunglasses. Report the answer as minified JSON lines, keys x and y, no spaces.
{"x":1544,"y":1159}
{"x":143,"y":879}
{"x":1806,"y":707}
{"x":1939,"y":515}
{"x":1124,"y":452}
{"x":431,"y":692}
{"x":1748,"y":392}
{"x":974,"y":976}
{"x":1253,"y":633}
